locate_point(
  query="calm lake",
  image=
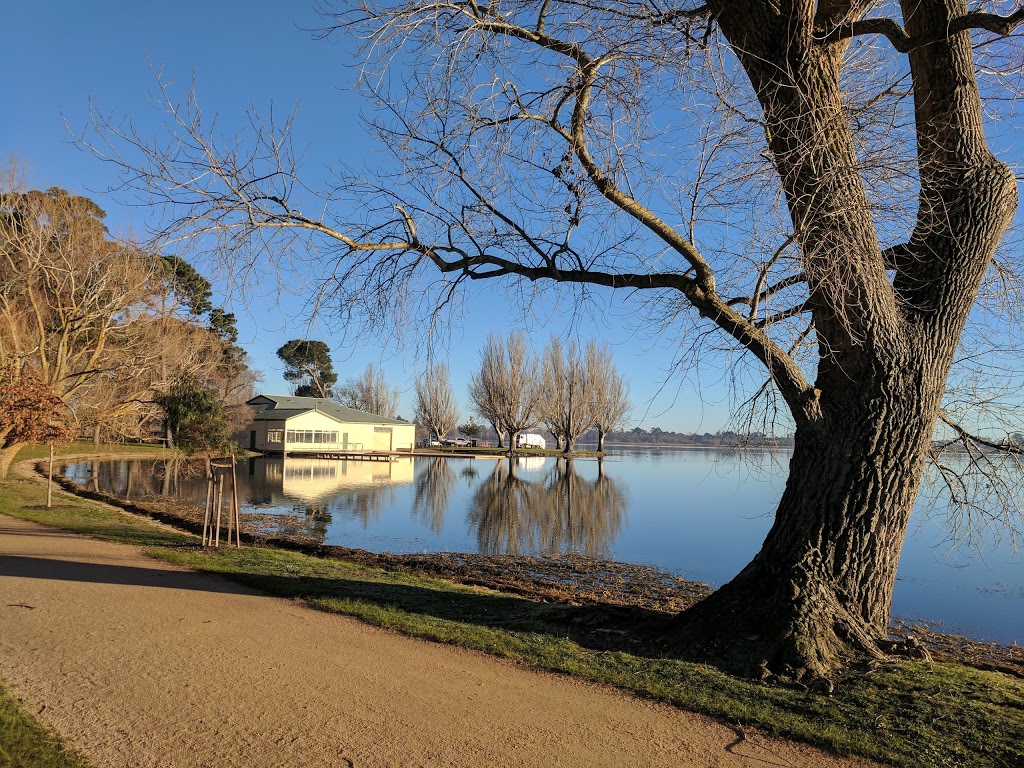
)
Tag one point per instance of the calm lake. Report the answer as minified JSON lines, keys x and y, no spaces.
{"x":701,"y":514}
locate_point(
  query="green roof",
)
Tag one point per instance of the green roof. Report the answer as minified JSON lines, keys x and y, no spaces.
{"x":281,"y":407}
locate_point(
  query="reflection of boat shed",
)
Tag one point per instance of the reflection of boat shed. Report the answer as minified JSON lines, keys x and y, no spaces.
{"x":313,"y":425}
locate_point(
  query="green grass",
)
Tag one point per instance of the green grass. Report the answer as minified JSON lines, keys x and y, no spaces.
{"x":24,"y":743}
{"x":88,"y":449}
{"x":906,"y":713}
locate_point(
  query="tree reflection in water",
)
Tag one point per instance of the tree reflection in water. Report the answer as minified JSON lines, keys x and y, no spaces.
{"x":364,"y":504}
{"x":564,"y":512}
{"x":433,"y":489}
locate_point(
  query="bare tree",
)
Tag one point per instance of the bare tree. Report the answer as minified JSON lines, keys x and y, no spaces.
{"x":369,"y":392}
{"x":608,"y":391}
{"x":508,"y":388}
{"x":805,"y":188}
{"x":483,"y":397}
{"x":72,"y":302}
{"x":566,"y":404}
{"x":435,"y":402}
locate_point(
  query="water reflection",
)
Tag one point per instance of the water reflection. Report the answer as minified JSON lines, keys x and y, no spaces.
{"x":139,"y":478}
{"x":561,"y":512}
{"x":357,"y":490}
{"x":284,"y":496}
{"x":698,"y":512}
{"x":318,"y":480}
{"x":434,"y":487}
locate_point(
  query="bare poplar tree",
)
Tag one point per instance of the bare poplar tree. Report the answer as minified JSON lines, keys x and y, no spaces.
{"x":565,"y":401}
{"x":482,"y":395}
{"x":435,"y":402}
{"x":370,"y":392}
{"x":509,"y":385}
{"x":805,"y":188}
{"x":608,"y":390}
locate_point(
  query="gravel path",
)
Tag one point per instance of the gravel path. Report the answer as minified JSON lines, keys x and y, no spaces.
{"x":137,"y":663}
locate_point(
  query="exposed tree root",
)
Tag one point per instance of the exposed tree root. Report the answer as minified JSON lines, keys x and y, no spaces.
{"x":805,"y":636}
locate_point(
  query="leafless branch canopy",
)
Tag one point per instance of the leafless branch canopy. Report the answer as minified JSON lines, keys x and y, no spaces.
{"x":792,"y":177}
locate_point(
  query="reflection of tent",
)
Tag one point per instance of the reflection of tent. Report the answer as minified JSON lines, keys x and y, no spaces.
{"x":530,"y":463}
{"x":320,"y":479}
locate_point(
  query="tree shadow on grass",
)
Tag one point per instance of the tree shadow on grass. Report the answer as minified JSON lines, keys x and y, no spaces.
{"x":600,"y":627}
{"x":597,"y":627}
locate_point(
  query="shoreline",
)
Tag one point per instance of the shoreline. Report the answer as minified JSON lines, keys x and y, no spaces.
{"x":887,"y":710}
{"x":637,"y":593}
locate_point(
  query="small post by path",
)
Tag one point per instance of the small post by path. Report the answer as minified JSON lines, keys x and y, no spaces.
{"x":220,"y":504}
{"x":234,"y":504}
{"x":49,"y":481}
{"x":231,"y":509}
{"x":209,"y":505}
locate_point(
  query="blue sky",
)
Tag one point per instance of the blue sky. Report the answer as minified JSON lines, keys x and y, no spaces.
{"x":254,"y":54}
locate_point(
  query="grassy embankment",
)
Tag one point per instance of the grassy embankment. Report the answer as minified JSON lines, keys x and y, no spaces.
{"x":906,"y":713}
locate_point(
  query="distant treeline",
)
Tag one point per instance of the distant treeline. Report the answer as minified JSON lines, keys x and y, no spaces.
{"x":658,"y":436}
{"x":722,"y":439}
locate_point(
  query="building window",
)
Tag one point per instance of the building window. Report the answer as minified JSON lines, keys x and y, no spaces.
{"x":275,"y":435}
{"x":311,"y":436}
{"x":382,"y":429}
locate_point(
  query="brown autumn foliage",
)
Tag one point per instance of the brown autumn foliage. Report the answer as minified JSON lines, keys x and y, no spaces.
{"x":30,"y":412}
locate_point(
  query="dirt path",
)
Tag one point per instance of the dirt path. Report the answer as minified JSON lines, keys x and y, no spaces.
{"x":138,"y":663}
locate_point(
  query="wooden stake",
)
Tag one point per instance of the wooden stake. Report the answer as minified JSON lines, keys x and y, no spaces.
{"x":209,"y":504}
{"x":49,"y":481}
{"x":234,"y":503}
{"x":220,"y":503}
{"x":231,"y":517}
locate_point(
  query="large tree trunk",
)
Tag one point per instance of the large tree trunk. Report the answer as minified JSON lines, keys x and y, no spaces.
{"x":820,"y":589}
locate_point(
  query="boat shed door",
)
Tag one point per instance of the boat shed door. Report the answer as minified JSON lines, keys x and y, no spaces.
{"x":382,"y":438}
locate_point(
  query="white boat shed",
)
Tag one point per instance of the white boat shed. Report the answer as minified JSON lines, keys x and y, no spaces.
{"x":296,"y":425}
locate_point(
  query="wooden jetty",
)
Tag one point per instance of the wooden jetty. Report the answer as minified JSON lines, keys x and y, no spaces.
{"x":345,"y":455}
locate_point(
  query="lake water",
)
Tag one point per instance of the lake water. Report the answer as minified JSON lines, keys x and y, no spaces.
{"x":701,"y":514}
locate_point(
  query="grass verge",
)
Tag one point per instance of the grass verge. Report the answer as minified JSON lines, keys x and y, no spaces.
{"x":906,"y":713}
{"x":24,"y":743}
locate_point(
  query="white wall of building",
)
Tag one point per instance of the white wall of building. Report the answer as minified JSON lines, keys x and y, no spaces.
{"x":314,"y":431}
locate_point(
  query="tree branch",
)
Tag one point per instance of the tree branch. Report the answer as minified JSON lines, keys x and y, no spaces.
{"x":1008,"y":445}
{"x":904,"y":43}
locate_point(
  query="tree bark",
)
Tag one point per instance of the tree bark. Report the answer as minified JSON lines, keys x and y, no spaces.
{"x":600,"y":441}
{"x":7,"y":454}
{"x":820,"y":589}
